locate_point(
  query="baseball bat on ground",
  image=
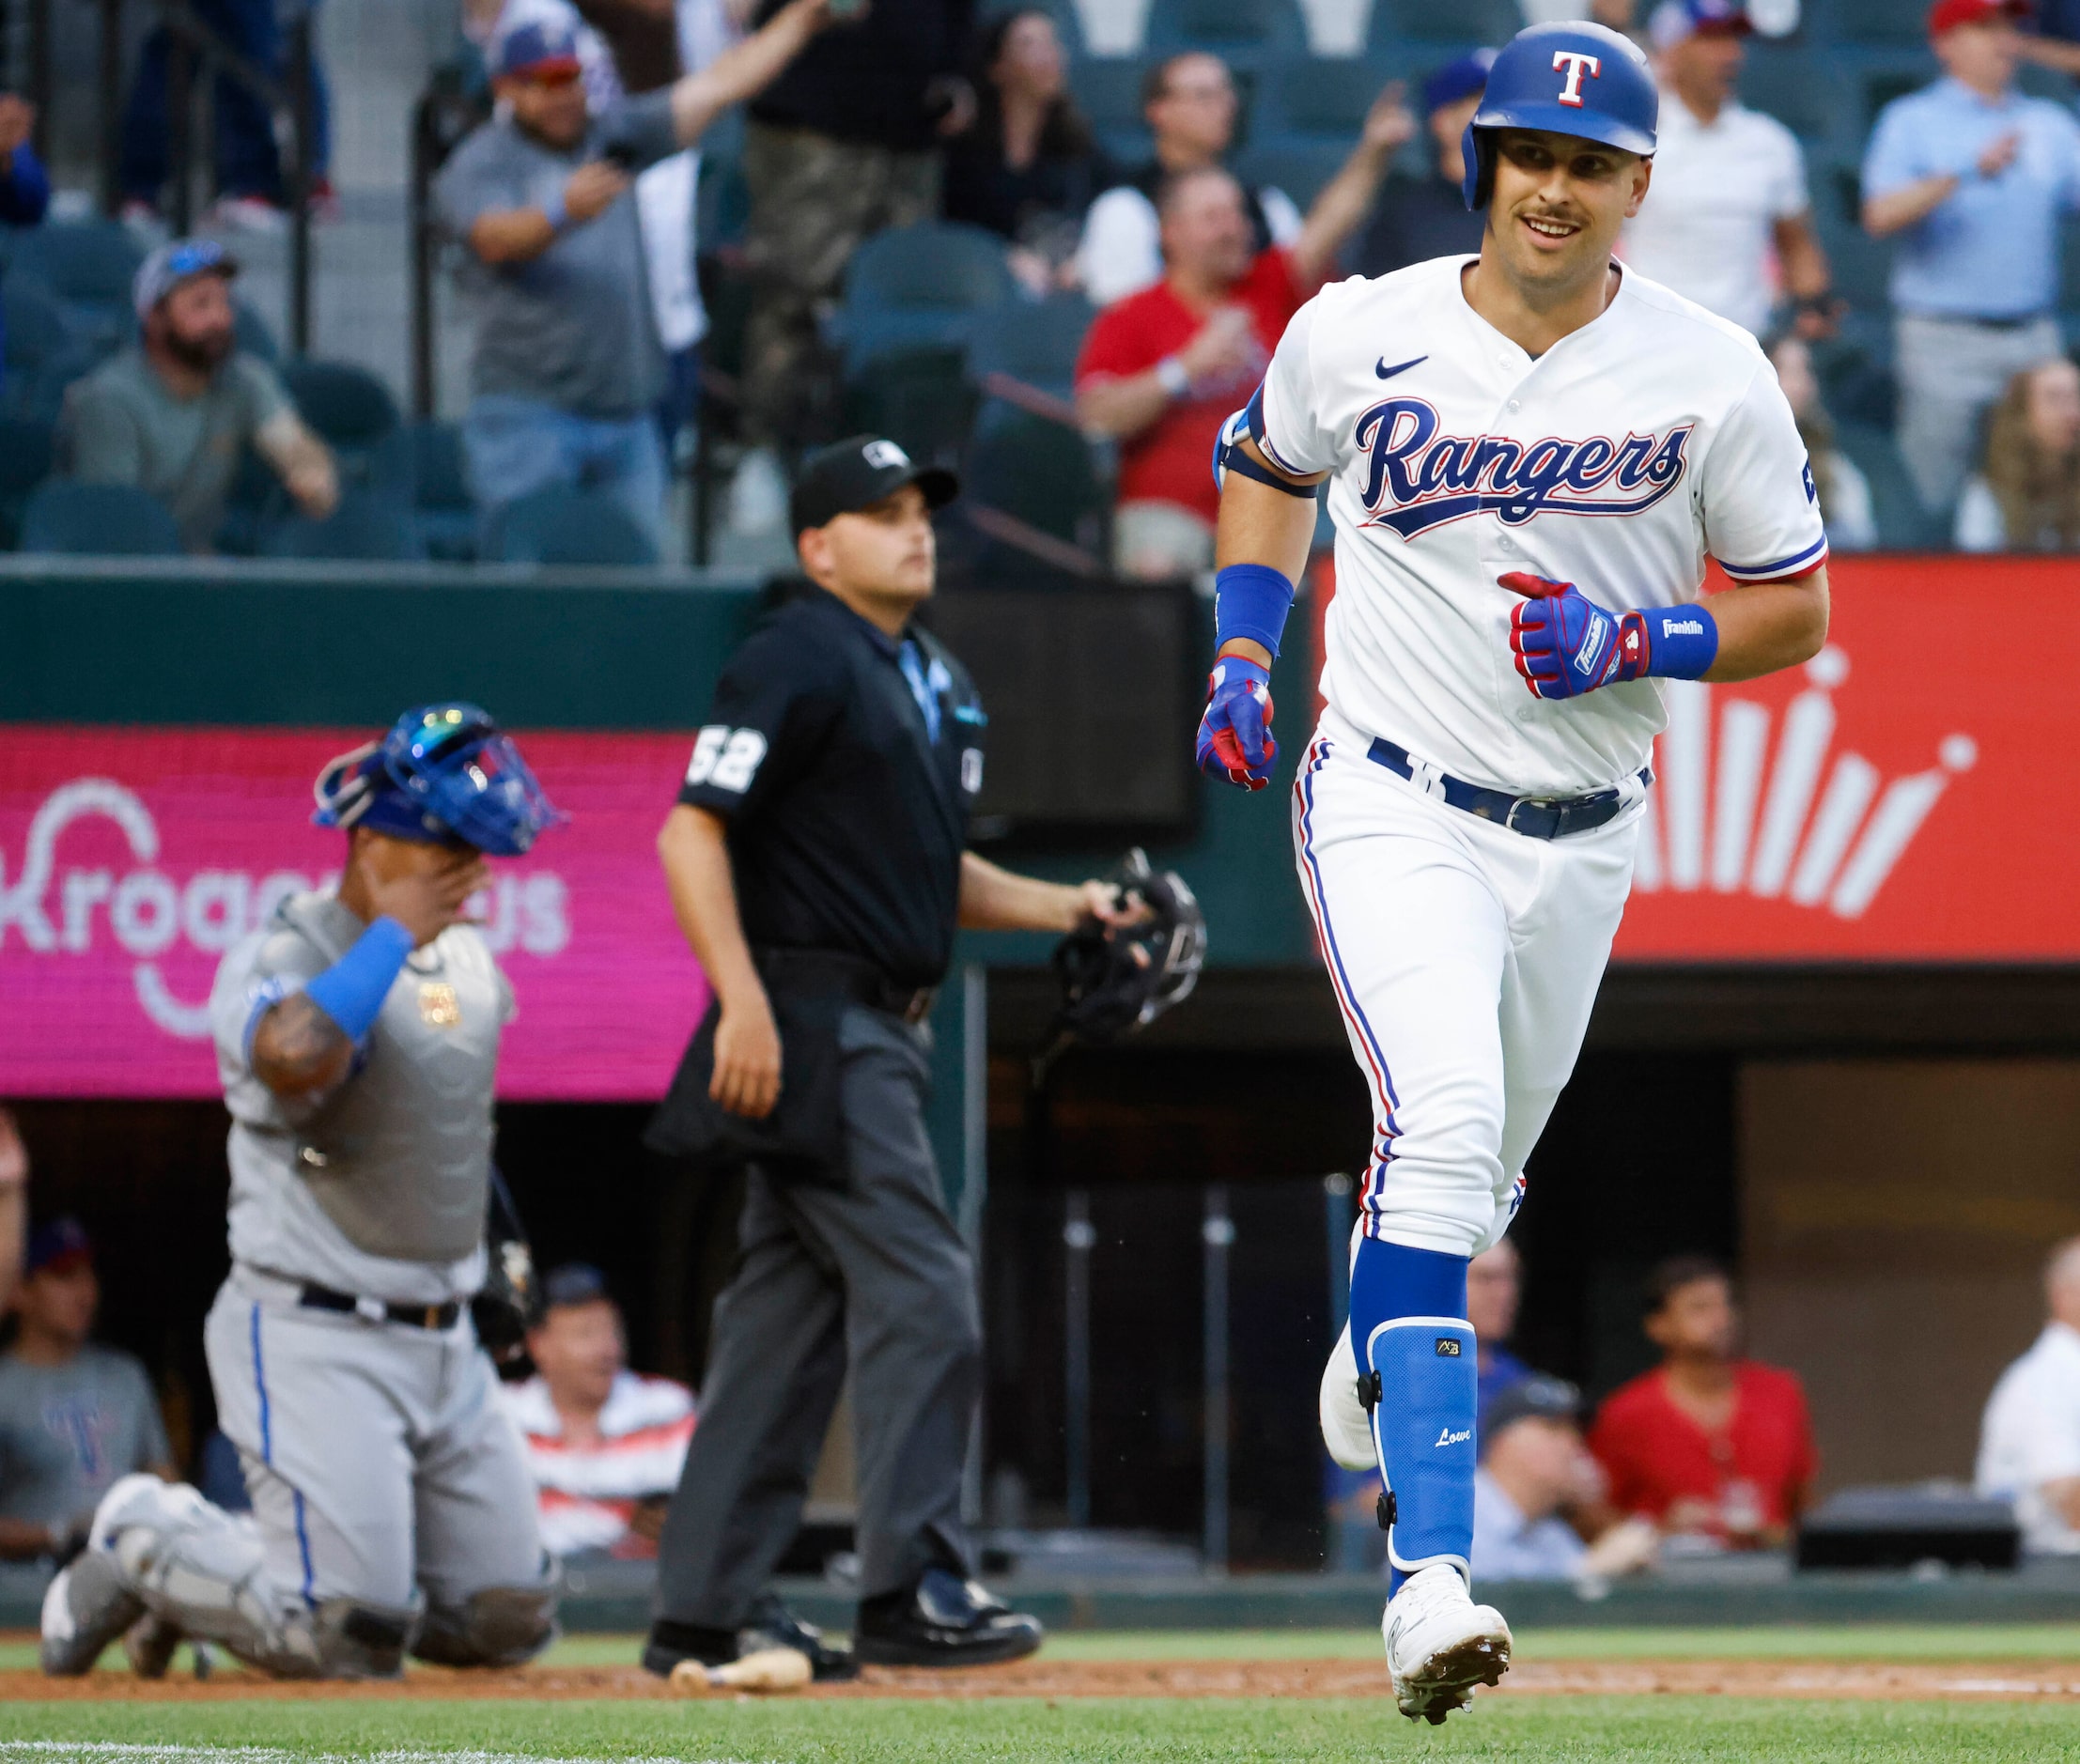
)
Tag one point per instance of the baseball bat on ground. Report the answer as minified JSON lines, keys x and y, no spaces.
{"x":768,"y":1670}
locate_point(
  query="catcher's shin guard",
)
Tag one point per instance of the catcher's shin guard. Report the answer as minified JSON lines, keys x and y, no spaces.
{"x":1426,"y":1395}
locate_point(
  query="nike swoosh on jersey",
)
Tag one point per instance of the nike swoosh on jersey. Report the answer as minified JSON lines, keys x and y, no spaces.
{"x":1388,"y":373}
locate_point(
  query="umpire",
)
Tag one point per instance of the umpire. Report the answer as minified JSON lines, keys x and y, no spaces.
{"x":818,"y":867}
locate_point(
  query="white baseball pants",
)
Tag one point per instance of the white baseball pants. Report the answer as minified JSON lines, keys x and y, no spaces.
{"x":1466,"y":959}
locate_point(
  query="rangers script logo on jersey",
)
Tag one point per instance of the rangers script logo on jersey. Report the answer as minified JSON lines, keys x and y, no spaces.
{"x":1417,"y":479}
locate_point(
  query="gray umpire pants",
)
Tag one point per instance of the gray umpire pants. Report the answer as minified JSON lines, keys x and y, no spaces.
{"x":868,"y":1276}
{"x":1951,"y":372}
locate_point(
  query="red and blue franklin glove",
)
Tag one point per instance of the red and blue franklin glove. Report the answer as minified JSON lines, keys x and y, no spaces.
{"x":1234,"y":734}
{"x":1566,"y":644}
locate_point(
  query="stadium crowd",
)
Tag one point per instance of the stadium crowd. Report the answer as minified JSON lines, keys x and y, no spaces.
{"x":758,"y":225}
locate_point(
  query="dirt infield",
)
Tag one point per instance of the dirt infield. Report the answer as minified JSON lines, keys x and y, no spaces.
{"x":1977,"y":1681}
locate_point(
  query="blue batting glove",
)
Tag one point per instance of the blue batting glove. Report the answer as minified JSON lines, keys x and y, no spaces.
{"x":1566,"y":644}
{"x":1234,"y":734}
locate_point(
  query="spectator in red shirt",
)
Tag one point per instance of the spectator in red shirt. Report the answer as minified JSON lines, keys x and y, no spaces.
{"x":1708,"y":1445}
{"x":1162,"y":369}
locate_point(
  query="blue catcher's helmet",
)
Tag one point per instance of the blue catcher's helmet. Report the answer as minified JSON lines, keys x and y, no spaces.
{"x":444,"y":771}
{"x":1577,"y":79}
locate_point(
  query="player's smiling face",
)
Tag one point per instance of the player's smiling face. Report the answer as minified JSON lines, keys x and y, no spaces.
{"x":1560,"y":203}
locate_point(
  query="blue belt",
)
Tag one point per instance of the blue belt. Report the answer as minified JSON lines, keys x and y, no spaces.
{"x":1535,"y":818}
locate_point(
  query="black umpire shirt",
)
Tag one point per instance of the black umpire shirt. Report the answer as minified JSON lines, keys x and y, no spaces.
{"x":847,"y":813}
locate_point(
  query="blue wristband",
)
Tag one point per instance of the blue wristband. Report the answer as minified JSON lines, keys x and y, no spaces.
{"x":1682,"y":642}
{"x":1251,"y":600}
{"x":352,"y":991}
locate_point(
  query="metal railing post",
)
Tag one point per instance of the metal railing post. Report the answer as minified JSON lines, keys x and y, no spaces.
{"x":304,"y":119}
{"x":112,"y":105}
{"x":1078,"y":1238}
{"x":181,"y":130}
{"x":1217,"y":1233}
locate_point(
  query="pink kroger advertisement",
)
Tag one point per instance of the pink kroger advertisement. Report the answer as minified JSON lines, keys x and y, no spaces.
{"x":130,"y":859}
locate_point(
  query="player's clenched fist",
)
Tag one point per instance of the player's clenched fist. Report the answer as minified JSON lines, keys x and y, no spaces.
{"x":1234,"y":734}
{"x":1566,"y":644}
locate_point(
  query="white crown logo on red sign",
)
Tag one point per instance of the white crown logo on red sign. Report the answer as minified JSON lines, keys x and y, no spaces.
{"x":1749,"y":823}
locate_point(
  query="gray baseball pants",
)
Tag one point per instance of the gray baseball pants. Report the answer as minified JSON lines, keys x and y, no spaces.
{"x":867,"y":1276}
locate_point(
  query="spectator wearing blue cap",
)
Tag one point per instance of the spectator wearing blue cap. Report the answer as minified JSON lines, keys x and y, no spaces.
{"x":607,"y":1446}
{"x":24,"y":186}
{"x":568,"y":363}
{"x":1419,"y":218}
{"x":74,"y":1416}
{"x":1728,"y":222}
{"x":1972,"y":179}
{"x":172,"y":413}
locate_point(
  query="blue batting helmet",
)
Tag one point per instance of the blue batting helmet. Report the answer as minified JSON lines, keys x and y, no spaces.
{"x":1575,"y":79}
{"x":444,"y":771}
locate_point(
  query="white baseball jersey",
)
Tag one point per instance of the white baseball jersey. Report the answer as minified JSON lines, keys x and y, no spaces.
{"x":1617,"y":461}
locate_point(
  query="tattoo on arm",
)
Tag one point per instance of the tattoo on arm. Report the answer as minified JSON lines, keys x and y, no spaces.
{"x":298,"y":1048}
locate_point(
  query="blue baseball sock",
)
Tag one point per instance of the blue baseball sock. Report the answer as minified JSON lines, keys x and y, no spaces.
{"x":1407,"y":1324}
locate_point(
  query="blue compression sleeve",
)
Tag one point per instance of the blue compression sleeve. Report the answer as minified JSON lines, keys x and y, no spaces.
{"x":1682,"y":642}
{"x":1408,"y":1328}
{"x":1251,"y":600}
{"x":352,"y":991}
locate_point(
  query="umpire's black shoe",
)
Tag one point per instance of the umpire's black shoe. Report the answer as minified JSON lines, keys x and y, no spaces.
{"x":771,"y":1625}
{"x":942,"y":1621}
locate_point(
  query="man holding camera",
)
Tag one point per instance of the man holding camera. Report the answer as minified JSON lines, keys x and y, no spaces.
{"x":568,"y":364}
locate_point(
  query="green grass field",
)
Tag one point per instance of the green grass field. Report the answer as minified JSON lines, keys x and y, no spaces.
{"x":1569,"y":1729}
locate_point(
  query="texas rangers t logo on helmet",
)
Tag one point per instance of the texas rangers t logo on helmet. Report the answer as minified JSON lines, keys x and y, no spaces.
{"x":1575,"y":63}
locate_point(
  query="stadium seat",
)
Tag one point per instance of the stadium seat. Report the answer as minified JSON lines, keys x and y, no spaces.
{"x":364,"y":529}
{"x":920,"y":398}
{"x":920,"y":285}
{"x":1466,"y":25}
{"x":1321,"y":96}
{"x":1903,"y":524}
{"x":1298,"y":167}
{"x":88,"y":265}
{"x":25,"y":453}
{"x":97,"y":519}
{"x":255,"y":336}
{"x":1036,"y":345}
{"x":1040,"y":471}
{"x":441,"y":508}
{"x":1872,"y":20}
{"x":1788,"y":83}
{"x":354,"y":414}
{"x":1108,"y":90}
{"x":566,"y":527}
{"x":43,"y":353}
{"x":1244,"y":30}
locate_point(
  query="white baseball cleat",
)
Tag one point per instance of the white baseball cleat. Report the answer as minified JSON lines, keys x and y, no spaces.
{"x":1440,"y":1645}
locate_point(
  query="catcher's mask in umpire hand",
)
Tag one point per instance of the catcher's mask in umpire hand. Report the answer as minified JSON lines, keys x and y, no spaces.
{"x":1118,"y":979}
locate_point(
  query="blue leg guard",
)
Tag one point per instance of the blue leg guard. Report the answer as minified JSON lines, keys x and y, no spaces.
{"x":1408,"y":1326}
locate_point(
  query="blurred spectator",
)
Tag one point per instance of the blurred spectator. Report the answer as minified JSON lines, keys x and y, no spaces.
{"x":1189,"y":101}
{"x":2030,"y":1442}
{"x":2026,"y":495}
{"x":569,"y":365}
{"x":2055,"y":41}
{"x":1494,"y":1287}
{"x":74,"y":1416}
{"x":173,"y":413}
{"x":1028,"y":166}
{"x":24,"y":187}
{"x":251,"y":193}
{"x":1417,"y":218}
{"x":843,"y":144}
{"x":1728,"y":214}
{"x":1843,"y":491}
{"x":14,"y":1205}
{"x":1533,"y":1468}
{"x":1164,"y":368}
{"x":1973,"y":177}
{"x":1617,"y":15}
{"x":606,"y":1444}
{"x":1709,"y":1445}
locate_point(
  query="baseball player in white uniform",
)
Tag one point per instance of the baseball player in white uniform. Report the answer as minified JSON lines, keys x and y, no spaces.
{"x":1530,"y":456}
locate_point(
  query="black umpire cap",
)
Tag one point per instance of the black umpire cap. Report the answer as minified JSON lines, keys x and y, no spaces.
{"x":856,"y":474}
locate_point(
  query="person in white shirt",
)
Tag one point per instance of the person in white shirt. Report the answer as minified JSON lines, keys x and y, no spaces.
{"x":2025,"y":494}
{"x":606,"y":1444}
{"x":1191,"y":104}
{"x":1728,"y":219}
{"x":2030,"y":1442}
